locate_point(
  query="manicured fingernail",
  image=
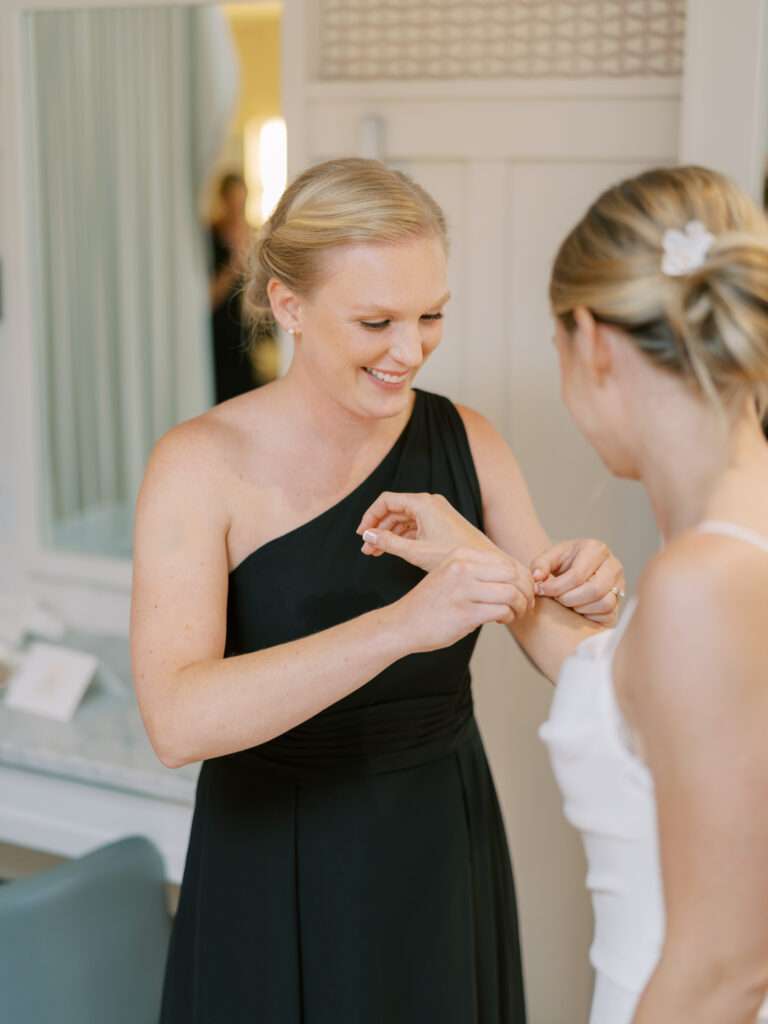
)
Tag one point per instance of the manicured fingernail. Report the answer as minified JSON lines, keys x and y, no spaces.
{"x":538,"y":574}
{"x":370,"y":536}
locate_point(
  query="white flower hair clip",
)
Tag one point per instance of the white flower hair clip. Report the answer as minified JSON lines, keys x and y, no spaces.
{"x":685,"y":251}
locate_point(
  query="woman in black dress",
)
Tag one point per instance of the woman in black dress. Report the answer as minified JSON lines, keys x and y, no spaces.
{"x":347,"y":861}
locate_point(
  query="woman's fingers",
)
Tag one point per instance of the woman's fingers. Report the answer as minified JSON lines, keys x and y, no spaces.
{"x":506,"y":594}
{"x":606,"y":585}
{"x":522,"y":596}
{"x":606,"y":609}
{"x":587,"y":560}
{"x":585,"y":576}
{"x":392,"y":519}
{"x":417,"y":552}
{"x":503,"y":578}
{"x":405,"y":528}
{"x":605,"y":606}
{"x":595,"y":589}
{"x":604,"y":620}
{"x":497,"y":602}
{"x":402,"y":528}
{"x":387,"y":504}
{"x":551,"y":561}
{"x":494,"y":592}
{"x":486,"y":613}
{"x":394,"y":522}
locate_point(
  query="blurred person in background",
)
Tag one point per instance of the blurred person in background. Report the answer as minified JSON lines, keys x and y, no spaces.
{"x":242,"y":360}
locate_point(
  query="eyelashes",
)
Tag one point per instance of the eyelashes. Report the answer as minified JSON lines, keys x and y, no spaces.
{"x":380,"y":325}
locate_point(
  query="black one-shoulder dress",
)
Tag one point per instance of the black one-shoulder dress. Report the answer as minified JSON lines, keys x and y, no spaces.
{"x":355,"y":869}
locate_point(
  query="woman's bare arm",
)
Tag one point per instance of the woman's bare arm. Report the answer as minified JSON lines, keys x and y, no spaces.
{"x":550,"y":633}
{"x":197,"y":704}
{"x":695,"y":664}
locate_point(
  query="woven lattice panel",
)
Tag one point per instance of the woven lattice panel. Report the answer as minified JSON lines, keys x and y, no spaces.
{"x":393,"y":39}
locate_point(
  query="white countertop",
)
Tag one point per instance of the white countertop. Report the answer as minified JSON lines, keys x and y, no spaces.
{"x":105,"y":743}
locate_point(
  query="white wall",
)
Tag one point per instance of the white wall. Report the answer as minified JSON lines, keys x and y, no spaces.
{"x":725,"y":100}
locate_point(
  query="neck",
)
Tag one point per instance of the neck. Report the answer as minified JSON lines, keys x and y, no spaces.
{"x":316,"y":413}
{"x":698,"y":463}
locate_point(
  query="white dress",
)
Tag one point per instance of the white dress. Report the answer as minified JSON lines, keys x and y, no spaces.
{"x":608,"y":796}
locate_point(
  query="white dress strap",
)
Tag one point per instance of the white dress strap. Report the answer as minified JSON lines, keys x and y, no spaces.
{"x":727,"y":529}
{"x":620,"y":628}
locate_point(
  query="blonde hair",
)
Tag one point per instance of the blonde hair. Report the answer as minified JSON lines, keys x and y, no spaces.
{"x":340,"y":202}
{"x":710,"y":325}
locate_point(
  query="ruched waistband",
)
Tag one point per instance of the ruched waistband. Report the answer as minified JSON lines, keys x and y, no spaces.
{"x":371,"y":739}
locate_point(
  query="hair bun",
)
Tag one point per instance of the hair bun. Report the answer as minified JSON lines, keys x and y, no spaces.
{"x":693,"y":299}
{"x":722,"y":314}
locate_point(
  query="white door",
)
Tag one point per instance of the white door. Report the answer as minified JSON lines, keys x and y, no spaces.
{"x":514,"y":162}
{"x":724,"y":121}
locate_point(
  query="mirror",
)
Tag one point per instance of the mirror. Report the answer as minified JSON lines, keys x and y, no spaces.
{"x":155,"y":147}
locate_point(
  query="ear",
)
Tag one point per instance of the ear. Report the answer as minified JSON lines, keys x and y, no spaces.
{"x":286,"y":306}
{"x":593,"y":344}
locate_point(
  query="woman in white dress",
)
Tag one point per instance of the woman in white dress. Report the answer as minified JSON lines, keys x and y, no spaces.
{"x":659,"y":729}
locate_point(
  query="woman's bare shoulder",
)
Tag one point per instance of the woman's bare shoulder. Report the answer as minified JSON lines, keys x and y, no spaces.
{"x":491,"y":452}
{"x":701,"y":568}
{"x":213,"y":441}
{"x":478,"y":427}
{"x":700,"y":621}
{"x":201,"y":457}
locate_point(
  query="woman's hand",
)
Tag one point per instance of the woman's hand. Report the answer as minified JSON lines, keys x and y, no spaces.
{"x":429,"y":519}
{"x":583,"y":575}
{"x":465,"y":591}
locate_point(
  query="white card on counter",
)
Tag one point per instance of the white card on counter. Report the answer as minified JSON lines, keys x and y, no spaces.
{"x":51,"y":681}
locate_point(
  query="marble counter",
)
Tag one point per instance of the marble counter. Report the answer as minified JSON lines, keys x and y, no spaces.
{"x":105,"y":744}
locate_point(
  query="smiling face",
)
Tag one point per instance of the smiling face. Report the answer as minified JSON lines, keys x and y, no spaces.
{"x":365,"y":331}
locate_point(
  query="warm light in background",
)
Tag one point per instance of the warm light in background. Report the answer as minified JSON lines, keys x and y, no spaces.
{"x":273,"y":163}
{"x":265,"y":166}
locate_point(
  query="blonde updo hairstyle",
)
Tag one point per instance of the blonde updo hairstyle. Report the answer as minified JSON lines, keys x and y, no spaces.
{"x":340,"y":202}
{"x":710,"y":325}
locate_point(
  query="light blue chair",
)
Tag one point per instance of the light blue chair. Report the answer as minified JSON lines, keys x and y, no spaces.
{"x":86,"y":942}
